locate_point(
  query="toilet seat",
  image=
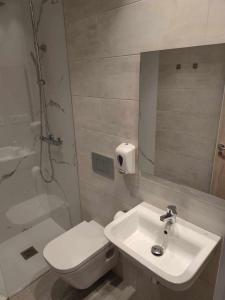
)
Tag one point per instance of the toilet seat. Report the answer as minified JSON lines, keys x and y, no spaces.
{"x":74,"y":248}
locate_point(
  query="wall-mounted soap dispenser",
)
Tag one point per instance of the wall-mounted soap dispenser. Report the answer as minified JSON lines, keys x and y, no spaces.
{"x":125,"y":158}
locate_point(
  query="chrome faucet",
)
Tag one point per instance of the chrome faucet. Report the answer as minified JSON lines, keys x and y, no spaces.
{"x":50,"y":139}
{"x":170,"y":215}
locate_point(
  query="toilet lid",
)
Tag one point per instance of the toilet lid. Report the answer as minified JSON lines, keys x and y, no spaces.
{"x":73,"y":248}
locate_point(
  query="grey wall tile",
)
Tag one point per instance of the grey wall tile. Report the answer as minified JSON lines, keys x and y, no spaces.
{"x":189,"y":105}
{"x":207,"y":76}
{"x":192,"y":124}
{"x":206,"y":54}
{"x":199,"y":148}
{"x":183,"y":169}
{"x":175,"y":56}
{"x":211,"y":53}
{"x":111,"y":4}
{"x":201,"y":101}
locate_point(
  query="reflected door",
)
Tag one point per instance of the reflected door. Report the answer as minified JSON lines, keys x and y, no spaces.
{"x":218,"y":176}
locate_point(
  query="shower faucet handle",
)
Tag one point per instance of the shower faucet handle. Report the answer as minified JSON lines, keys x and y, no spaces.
{"x":50,"y":139}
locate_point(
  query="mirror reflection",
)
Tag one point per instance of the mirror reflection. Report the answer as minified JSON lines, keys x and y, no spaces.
{"x":181,"y":132}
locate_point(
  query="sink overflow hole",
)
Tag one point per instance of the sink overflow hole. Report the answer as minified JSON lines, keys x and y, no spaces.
{"x":157,"y":250}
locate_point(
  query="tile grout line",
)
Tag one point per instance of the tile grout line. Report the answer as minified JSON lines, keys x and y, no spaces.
{"x":107,"y":99}
{"x":105,"y":133}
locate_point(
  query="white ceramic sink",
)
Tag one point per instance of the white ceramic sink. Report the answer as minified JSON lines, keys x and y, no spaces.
{"x":186,"y":247}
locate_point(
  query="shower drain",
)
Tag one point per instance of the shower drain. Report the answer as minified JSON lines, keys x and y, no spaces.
{"x":28,"y":253}
{"x":157,"y":250}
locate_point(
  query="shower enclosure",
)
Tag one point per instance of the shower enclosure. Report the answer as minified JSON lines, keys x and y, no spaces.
{"x":38,"y":171}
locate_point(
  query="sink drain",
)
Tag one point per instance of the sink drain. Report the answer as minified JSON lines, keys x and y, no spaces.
{"x":157,"y":250}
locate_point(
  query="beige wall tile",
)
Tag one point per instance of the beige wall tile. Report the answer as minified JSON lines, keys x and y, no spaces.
{"x":120,"y":118}
{"x":87,"y":112}
{"x":97,"y":204}
{"x":116,"y":77}
{"x":207,"y":76}
{"x":191,"y":172}
{"x":125,"y":30}
{"x":111,"y":116}
{"x":83,"y":38}
{"x":175,"y":56}
{"x":150,"y":25}
{"x":201,"y":101}
{"x":88,"y":140}
{"x":212,"y":53}
{"x":216,"y":21}
{"x":79,"y":9}
{"x":189,"y":105}
{"x":102,"y":36}
{"x":196,"y":125}
{"x":117,"y":192}
{"x":135,"y":27}
{"x":111,"y":4}
{"x":187,"y":23}
{"x":199,"y":148}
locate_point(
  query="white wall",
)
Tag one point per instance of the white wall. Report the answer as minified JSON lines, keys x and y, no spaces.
{"x":16,"y":113}
{"x":15,"y":106}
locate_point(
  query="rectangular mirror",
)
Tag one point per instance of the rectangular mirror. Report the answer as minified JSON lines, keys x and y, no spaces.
{"x":182,"y":120}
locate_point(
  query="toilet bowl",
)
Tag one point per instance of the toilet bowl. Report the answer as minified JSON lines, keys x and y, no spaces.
{"x":81,"y":255}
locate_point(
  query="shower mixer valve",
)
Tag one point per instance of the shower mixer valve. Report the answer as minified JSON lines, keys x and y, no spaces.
{"x":50,"y":139}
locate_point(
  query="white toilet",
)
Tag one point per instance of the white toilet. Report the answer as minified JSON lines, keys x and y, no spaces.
{"x":81,"y":255}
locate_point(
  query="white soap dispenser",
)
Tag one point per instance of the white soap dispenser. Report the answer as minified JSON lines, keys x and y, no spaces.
{"x":125,"y":158}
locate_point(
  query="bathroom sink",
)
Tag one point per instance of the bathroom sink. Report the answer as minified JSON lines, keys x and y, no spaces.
{"x":187,"y":247}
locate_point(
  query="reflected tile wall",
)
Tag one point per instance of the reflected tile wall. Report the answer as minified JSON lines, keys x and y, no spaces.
{"x":189,"y":104}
